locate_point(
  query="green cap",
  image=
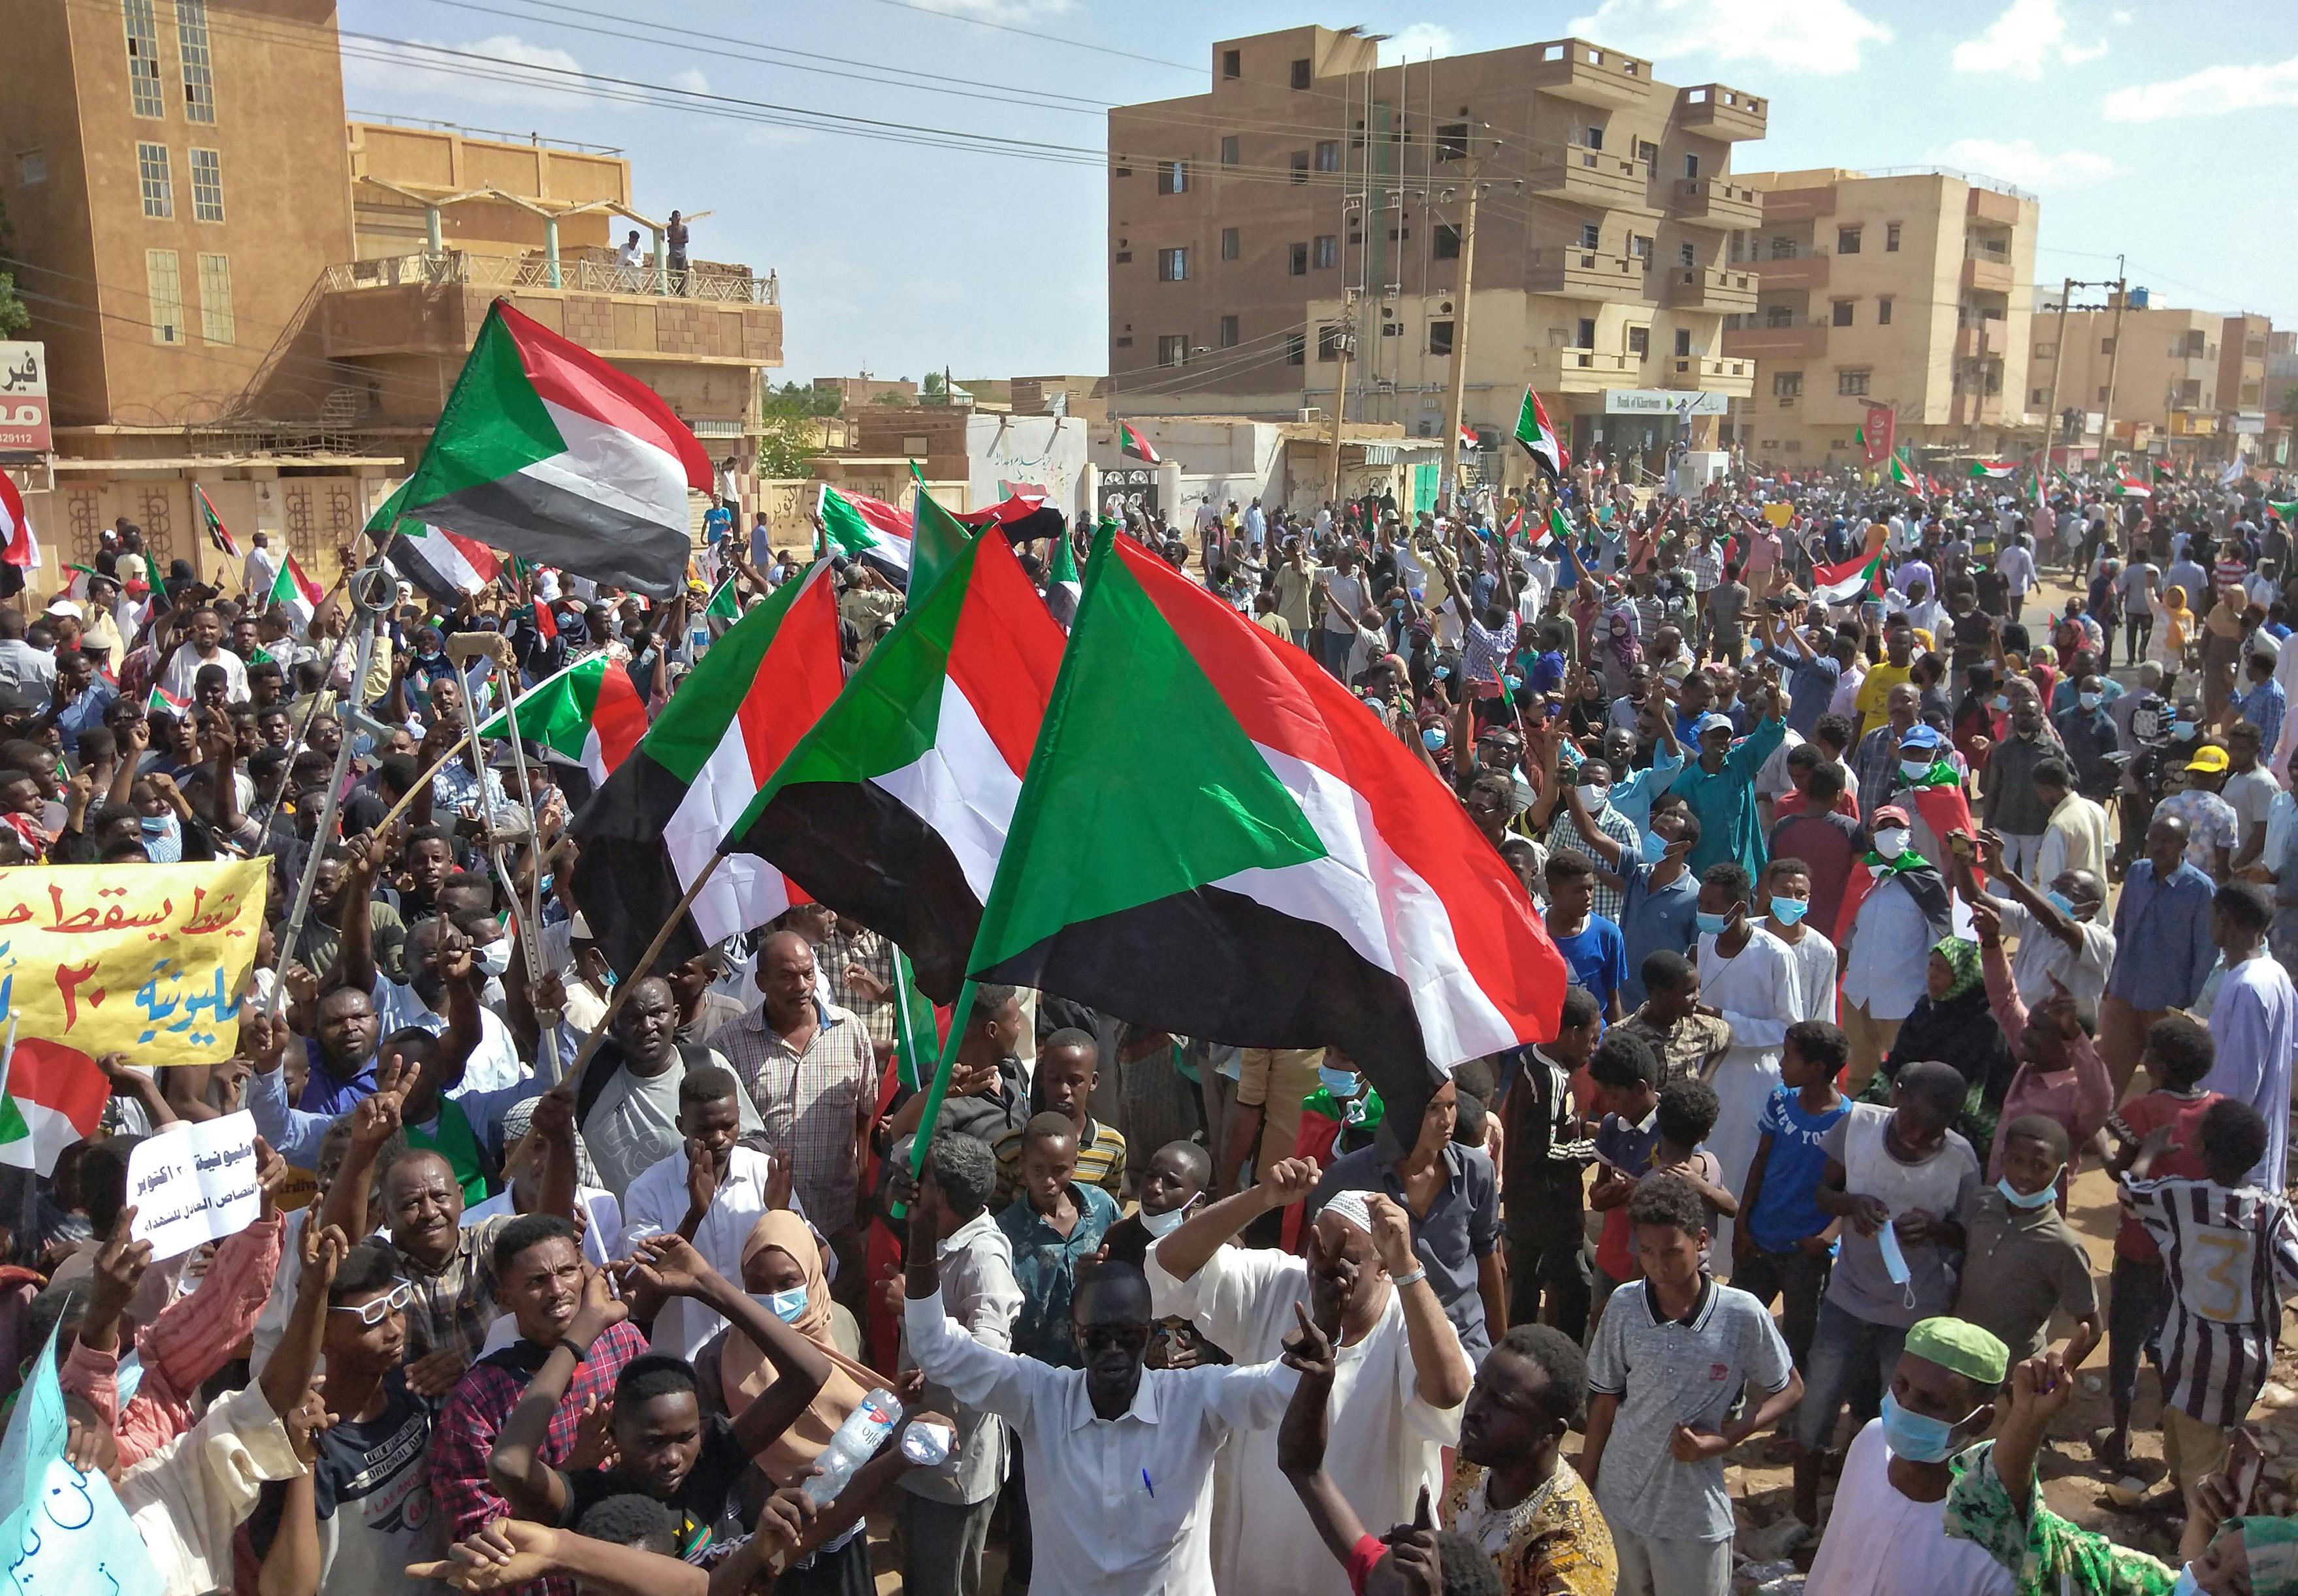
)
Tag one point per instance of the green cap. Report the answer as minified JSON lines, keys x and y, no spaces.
{"x":1961,"y":1347}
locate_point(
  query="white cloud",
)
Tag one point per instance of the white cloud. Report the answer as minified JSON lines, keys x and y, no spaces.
{"x":997,"y":11}
{"x":2030,"y":36}
{"x":1824,"y":37}
{"x":2121,"y":19}
{"x":485,"y":70}
{"x":1418,"y":42}
{"x":2018,"y":162}
{"x":691,"y":80}
{"x":2212,"y":92}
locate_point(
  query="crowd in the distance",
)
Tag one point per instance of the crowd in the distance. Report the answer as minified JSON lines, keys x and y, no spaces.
{"x":1887,"y":907}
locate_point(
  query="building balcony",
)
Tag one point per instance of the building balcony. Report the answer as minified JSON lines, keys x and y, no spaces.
{"x":1590,"y":75}
{"x":1720,"y":112}
{"x":1583,"y":371}
{"x":1782,"y":205}
{"x":1985,"y":272}
{"x":1969,"y":410}
{"x":1993,"y":205}
{"x":1799,"y":341}
{"x":1990,"y":337}
{"x":1586,"y":274}
{"x":1797,"y":272}
{"x":1723,"y":289}
{"x":1709,"y":375}
{"x":1714,"y":202}
{"x":1590,"y":178}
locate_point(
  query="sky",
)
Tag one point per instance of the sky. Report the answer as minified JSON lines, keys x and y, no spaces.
{"x":926,"y":175}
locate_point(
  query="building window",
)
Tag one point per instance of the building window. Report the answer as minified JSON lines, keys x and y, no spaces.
{"x":1228,"y":332}
{"x":1232,"y":63}
{"x":1451,"y":140}
{"x":1595,"y":139}
{"x":1228,"y":149}
{"x":1787,"y":386}
{"x":1228,"y":244}
{"x":1327,"y":252}
{"x":1297,"y":349}
{"x":1301,"y":78}
{"x":207,"y":186}
{"x":2102,"y":394}
{"x":1329,"y":154}
{"x":1682,"y":342}
{"x":142,"y":59}
{"x":2193,"y":351}
{"x":1448,"y":241}
{"x":1173,"y":349}
{"x":1883,"y":311}
{"x":1640,"y":341}
{"x":1440,"y":337}
{"x":1592,"y":235}
{"x":1687,"y":255}
{"x":1297,"y":265}
{"x":1299,"y":166}
{"x":1172,"y":266}
{"x":2046,"y":351}
{"x":1584,"y":334}
{"x":1647,"y":152}
{"x":1852,"y":385}
{"x":215,"y":298}
{"x":32,"y":167}
{"x":1846,"y":241}
{"x":163,"y":286}
{"x":1890,"y":238}
{"x":199,"y":73}
{"x":152,"y":173}
{"x":1691,"y":167}
{"x":1172,"y":176}
{"x":1842,"y":313}
{"x":1125,"y":343}
{"x":1124,"y":258}
{"x":1640,"y":247}
{"x":2106,"y":346}
{"x":1328,"y":343}
{"x":2035,"y":396}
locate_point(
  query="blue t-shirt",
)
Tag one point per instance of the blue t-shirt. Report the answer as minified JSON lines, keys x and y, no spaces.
{"x":1787,"y":1210}
{"x":1547,"y":674}
{"x":1651,"y":921}
{"x":1596,"y":958}
{"x":716,"y":522}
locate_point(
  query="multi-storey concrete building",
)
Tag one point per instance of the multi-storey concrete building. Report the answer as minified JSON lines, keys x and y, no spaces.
{"x":1310,"y":194}
{"x":1910,"y":290}
{"x":238,"y":290}
{"x":2187,"y":385}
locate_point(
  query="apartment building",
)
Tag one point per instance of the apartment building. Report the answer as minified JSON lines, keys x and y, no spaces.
{"x":237,"y":290}
{"x":1906,"y":289}
{"x":1312,"y":201}
{"x":2187,"y":385}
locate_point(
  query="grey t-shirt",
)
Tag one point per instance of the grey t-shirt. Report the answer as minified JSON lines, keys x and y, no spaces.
{"x":1666,"y":1372}
{"x":2250,"y":793}
{"x":1946,"y":1185}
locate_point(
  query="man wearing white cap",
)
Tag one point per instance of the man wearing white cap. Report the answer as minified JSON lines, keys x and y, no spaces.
{"x":1397,"y":1391}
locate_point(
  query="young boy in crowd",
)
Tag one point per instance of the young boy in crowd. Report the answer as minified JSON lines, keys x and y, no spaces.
{"x":1067,"y":1069}
{"x":1690,"y":1041}
{"x":1626,"y":1075}
{"x":1170,"y":1190}
{"x":2179,"y":1052}
{"x":1054,"y":1226}
{"x":1782,"y":1248}
{"x":2232,"y":1249}
{"x":1544,"y":1149}
{"x":1685,"y":1116}
{"x":1905,"y":1184}
{"x":1595,"y":955}
{"x":2022,"y":1262}
{"x":1664,"y":1375}
{"x":2061,"y":1073}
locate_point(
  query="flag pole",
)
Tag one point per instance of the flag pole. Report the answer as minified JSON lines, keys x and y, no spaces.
{"x":323,"y":833}
{"x":905,"y":1034}
{"x":960,"y":1017}
{"x":645,"y":962}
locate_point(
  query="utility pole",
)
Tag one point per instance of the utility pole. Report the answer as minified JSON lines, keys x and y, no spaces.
{"x":1348,"y":349}
{"x":1469,"y":168}
{"x":2113,"y":360}
{"x":2058,"y":364}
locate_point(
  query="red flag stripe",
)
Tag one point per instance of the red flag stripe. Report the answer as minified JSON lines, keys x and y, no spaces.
{"x":1006,"y":650}
{"x":570,"y":376}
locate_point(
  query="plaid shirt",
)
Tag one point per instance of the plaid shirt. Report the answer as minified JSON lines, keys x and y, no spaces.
{"x":474,"y":1416}
{"x":1706,"y":564}
{"x":1484,"y":651}
{"x":1565,"y":833}
{"x":810,"y":1103}
{"x":875,"y":955}
{"x":2263,"y":706}
{"x":454,"y":1307}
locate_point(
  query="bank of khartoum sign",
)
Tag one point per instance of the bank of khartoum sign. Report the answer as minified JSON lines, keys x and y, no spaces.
{"x":1664,"y":402}
{"x":24,"y":399}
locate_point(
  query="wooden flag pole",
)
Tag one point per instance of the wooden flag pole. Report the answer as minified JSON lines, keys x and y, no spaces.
{"x":646,"y":963}
{"x":960,"y":1017}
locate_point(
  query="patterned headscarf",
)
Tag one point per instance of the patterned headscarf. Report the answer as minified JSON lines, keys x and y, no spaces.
{"x":2271,"y":1546}
{"x":1961,"y":955}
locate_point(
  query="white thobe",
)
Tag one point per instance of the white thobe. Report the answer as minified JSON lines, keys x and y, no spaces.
{"x":656,"y":1201}
{"x":1756,"y":991}
{"x":2254,"y":1023}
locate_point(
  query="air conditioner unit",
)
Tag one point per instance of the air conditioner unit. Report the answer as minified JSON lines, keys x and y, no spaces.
{"x":1308,"y":413}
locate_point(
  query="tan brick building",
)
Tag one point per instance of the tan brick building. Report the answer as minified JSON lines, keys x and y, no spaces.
{"x":2190,"y":386}
{"x":1911,"y":289}
{"x":1308,"y":187}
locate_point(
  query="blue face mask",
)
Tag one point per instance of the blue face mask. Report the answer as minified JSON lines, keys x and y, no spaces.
{"x":1513,"y":683}
{"x":1432,"y":737}
{"x":2060,"y":901}
{"x":1442,"y":673}
{"x":1341,"y":1083}
{"x":785,"y":1305}
{"x":2184,"y":730}
{"x":1710,"y":925}
{"x":1655,"y":847}
{"x":1787,"y":911}
{"x":1915,"y":1437}
{"x":2188,"y":1585}
{"x":2043,"y":1198}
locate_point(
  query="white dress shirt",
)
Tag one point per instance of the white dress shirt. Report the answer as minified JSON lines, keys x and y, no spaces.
{"x":1757,"y":992}
{"x":657,"y":1203}
{"x":1120,"y":1506}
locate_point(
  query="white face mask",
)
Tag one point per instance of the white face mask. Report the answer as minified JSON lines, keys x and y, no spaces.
{"x":494,"y":959}
{"x":1593,"y":797}
{"x":1162,"y":1225}
{"x":1891,"y":842}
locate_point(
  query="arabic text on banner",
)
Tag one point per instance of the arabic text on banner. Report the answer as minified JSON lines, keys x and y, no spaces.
{"x":149,"y":961}
{"x":197,"y":1186}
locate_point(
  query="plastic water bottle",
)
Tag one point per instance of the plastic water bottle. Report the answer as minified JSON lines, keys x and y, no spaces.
{"x":856,"y":1442}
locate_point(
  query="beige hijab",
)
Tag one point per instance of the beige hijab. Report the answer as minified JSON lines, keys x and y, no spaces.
{"x":745,"y":1374}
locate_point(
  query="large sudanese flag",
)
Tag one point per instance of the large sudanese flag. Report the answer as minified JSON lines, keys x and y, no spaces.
{"x":1539,"y":438}
{"x":657,"y":821}
{"x":893,"y":810}
{"x":589,"y":714}
{"x":546,"y":451}
{"x":1216,"y":839}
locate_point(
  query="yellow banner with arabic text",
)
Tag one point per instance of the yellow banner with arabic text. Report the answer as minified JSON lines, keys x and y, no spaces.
{"x":149,"y":960}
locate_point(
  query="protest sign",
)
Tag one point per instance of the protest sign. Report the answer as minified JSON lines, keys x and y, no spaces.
{"x":197,"y":1186}
{"x":149,"y":960}
{"x":64,"y":1532}
{"x":1779,"y":514}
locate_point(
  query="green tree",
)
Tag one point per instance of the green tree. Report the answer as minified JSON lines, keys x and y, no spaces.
{"x":14,"y":316}
{"x":931,"y":390}
{"x":787,"y":435}
{"x":2290,"y":398}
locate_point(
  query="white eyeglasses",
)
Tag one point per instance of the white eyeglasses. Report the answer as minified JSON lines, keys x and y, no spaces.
{"x":375,"y":1312}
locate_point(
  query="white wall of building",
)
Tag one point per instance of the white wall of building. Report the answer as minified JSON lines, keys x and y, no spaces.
{"x":1050,"y":451}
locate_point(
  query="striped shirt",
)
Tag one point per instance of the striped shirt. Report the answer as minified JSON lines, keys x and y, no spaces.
{"x":2231,"y":1254}
{"x":811,"y":1102}
{"x":1100,"y":1161}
